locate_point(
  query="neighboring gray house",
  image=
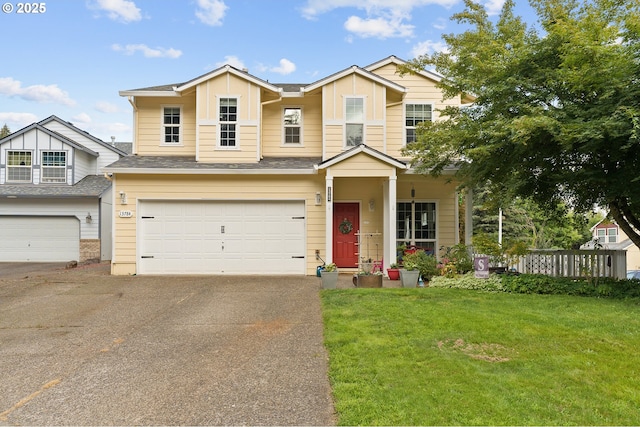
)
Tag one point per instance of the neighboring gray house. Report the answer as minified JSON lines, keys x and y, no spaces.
{"x":55,"y":203}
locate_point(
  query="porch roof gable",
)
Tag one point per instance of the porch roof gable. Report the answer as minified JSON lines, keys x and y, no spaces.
{"x":362,"y":148}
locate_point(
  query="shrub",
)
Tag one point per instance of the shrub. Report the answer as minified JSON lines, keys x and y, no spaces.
{"x":422,"y":261}
{"x":469,"y":281}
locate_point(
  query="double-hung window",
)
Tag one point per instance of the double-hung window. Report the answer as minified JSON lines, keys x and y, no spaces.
{"x":171,"y":125}
{"x":228,"y":122}
{"x":292,"y":125}
{"x":54,"y":167}
{"x":416,"y":225}
{"x":414,"y":115}
{"x":19,"y":166}
{"x":354,"y":127}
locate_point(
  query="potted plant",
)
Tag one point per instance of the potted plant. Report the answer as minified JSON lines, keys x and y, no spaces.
{"x":393,"y":272}
{"x":329,"y":276}
{"x":425,"y":264}
{"x":366,"y":278}
{"x":409,"y":273}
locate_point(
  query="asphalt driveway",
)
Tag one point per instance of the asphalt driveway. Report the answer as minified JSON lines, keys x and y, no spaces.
{"x":81,"y":347}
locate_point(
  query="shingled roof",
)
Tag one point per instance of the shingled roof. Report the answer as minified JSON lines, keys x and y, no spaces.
{"x":179,"y":163}
{"x":90,"y":186}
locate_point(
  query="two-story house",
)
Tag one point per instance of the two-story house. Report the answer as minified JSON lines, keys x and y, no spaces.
{"x":55,"y":204}
{"x":608,"y":235}
{"x":233,"y":174}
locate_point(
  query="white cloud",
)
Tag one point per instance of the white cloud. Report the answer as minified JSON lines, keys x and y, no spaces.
{"x":440,"y":24}
{"x":119,"y":10}
{"x":148,"y":52}
{"x":428,"y":47}
{"x":82,"y":118}
{"x":106,"y":107}
{"x":285,"y":67}
{"x":234,"y":61}
{"x":211,"y":12}
{"x":38,"y":93}
{"x":313,"y":8}
{"x":493,"y":6}
{"x":17,"y":121}
{"x":378,"y":27}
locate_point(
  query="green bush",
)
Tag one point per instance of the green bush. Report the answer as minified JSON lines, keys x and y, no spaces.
{"x":468,"y":281}
{"x":541,"y":284}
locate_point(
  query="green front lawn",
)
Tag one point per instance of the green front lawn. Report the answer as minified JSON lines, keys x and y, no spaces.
{"x":458,"y":357}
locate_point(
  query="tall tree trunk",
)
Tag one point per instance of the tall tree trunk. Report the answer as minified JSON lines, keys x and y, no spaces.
{"x":624,"y":218}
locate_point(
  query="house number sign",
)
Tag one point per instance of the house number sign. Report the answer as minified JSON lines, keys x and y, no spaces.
{"x":126,"y":214}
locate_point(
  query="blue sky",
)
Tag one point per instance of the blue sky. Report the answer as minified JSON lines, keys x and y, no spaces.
{"x":72,"y":58}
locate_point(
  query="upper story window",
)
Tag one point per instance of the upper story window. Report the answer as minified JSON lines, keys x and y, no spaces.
{"x":171,"y":124}
{"x":293,"y":125}
{"x":607,"y":235}
{"x":415,"y":114}
{"x":19,"y":166}
{"x":228,"y":122}
{"x":54,"y":167}
{"x":354,"y":129}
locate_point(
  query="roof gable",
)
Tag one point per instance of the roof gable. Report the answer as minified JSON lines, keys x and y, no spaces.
{"x":83,"y":133}
{"x":358,"y":71}
{"x":54,"y":134}
{"x":362,"y":148}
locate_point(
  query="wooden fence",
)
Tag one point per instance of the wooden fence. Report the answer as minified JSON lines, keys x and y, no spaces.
{"x":575,"y":263}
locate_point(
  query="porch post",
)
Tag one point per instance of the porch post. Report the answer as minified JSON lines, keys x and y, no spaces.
{"x":328,"y":197}
{"x":389,"y":229}
{"x":468,"y":217}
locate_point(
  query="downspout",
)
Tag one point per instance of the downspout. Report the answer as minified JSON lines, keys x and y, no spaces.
{"x":262,"y":104}
{"x":132,"y":101}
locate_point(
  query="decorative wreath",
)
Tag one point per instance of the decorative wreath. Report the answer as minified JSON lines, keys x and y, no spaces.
{"x":345,"y":226}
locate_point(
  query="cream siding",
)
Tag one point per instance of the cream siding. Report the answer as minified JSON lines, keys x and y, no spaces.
{"x":222,"y":187}
{"x":149,"y":132}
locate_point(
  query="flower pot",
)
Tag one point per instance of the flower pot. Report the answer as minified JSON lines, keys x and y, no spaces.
{"x":329,"y":279}
{"x":369,"y":281}
{"x":409,"y":278}
{"x":393,"y":273}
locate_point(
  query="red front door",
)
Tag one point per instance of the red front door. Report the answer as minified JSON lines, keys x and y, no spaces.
{"x":346,"y":223}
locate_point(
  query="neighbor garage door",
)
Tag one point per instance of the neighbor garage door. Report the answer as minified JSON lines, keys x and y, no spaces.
{"x":39,"y":239}
{"x":205,"y":237}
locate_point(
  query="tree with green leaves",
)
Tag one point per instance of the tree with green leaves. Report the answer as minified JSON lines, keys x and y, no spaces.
{"x":4,"y":131}
{"x":556,"y":116}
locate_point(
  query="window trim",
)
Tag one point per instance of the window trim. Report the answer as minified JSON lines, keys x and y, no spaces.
{"x":43,"y":167}
{"x":219,"y":123}
{"x":163,"y":126}
{"x":7,"y":166}
{"x":347,"y":122}
{"x":413,"y":239}
{"x":404,"y":117}
{"x":285,"y":126}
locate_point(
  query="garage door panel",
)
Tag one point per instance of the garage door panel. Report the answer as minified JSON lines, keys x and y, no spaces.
{"x":39,"y":239}
{"x":200,"y":237}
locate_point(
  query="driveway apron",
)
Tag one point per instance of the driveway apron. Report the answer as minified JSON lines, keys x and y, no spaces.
{"x":81,"y":347}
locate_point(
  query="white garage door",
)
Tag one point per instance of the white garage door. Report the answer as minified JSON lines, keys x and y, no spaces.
{"x":205,"y":237}
{"x":39,"y":239}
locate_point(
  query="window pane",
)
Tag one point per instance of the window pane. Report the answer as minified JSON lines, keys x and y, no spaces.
{"x":292,"y":135}
{"x":354,"y":135}
{"x":292,"y":116}
{"x":355,"y":110}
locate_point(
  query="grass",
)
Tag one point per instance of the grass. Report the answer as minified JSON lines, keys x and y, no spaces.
{"x":457,"y":357}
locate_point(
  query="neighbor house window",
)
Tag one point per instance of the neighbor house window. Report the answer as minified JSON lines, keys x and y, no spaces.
{"x":54,"y":167}
{"x":416,"y":225}
{"x":613,"y":235}
{"x":19,"y":166}
{"x":228,"y":122}
{"x":293,"y":125}
{"x":171,"y":125}
{"x":414,"y":115}
{"x":607,"y":235}
{"x":354,"y":129}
